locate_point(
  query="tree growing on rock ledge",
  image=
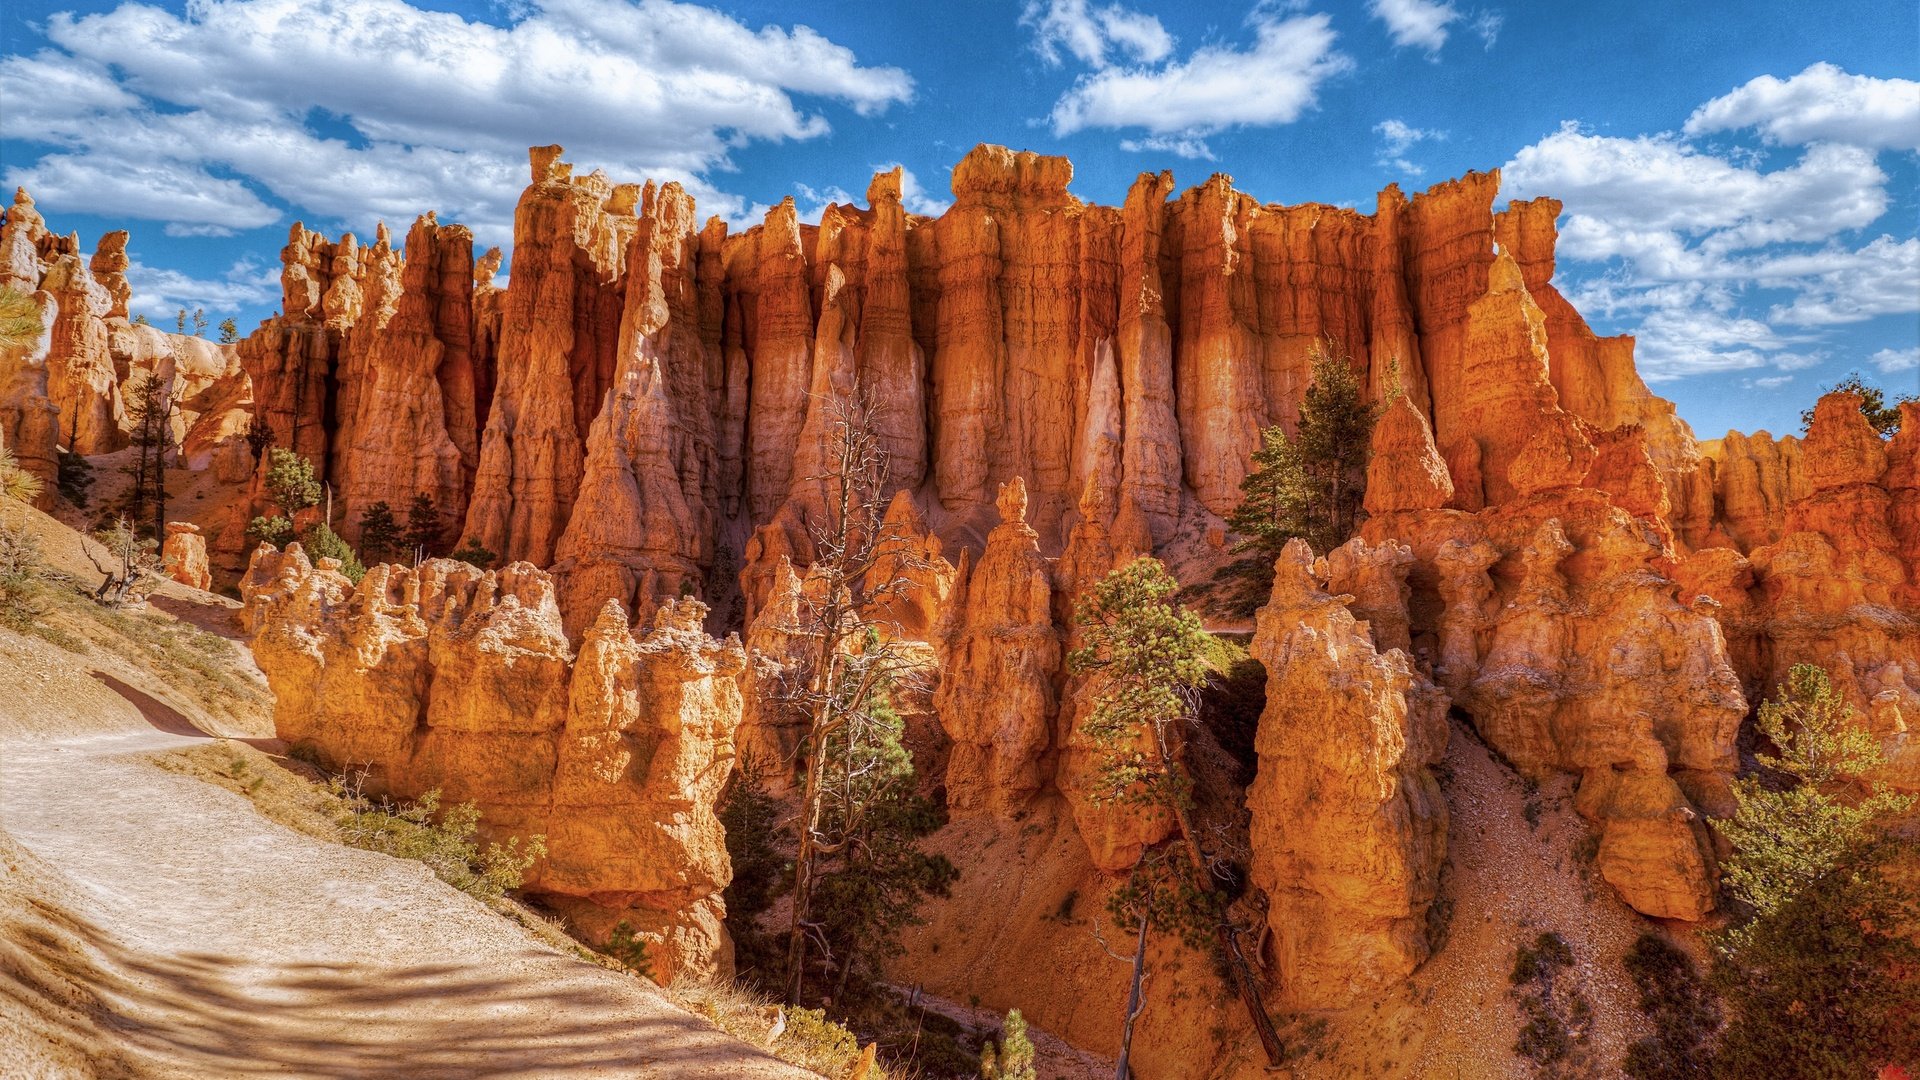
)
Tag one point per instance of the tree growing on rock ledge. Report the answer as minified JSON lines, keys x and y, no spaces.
{"x":843,"y":689}
{"x":1144,"y":655}
{"x":1310,"y":485}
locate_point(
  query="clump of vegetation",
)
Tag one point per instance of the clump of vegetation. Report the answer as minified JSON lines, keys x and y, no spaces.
{"x":1012,"y":1057}
{"x":1559,"y":1018}
{"x":421,"y":537}
{"x":1308,"y":485}
{"x":474,"y":553}
{"x":379,"y":533}
{"x":1144,"y":656}
{"x":1884,"y":417}
{"x":628,"y":948}
{"x":808,"y":1037}
{"x":131,"y":570}
{"x":294,"y":487}
{"x":1683,"y":1011}
{"x":1814,"y":966}
{"x":22,"y":573}
{"x":75,"y":477}
{"x":442,"y":839}
{"x":21,"y":325}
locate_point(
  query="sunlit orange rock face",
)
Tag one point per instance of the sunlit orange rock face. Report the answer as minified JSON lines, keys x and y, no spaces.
{"x":1348,"y":823}
{"x":69,"y":389}
{"x":1834,"y":578}
{"x":451,"y":678}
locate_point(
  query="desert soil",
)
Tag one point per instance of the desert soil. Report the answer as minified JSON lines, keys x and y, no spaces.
{"x":153,"y":925}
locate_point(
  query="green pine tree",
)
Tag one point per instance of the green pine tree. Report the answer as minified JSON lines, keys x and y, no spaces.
{"x":1144,"y":655}
{"x":423,"y":529}
{"x":322,"y":542}
{"x":1811,"y":964}
{"x":1310,"y":484}
{"x":380,"y":533}
{"x":229,"y":331}
{"x":1012,"y":1058}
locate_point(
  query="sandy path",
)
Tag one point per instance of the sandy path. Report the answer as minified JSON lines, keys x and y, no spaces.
{"x":155,"y":925}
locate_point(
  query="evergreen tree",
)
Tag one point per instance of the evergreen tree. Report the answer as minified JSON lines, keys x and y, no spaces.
{"x":321,"y":542}
{"x":871,"y":883}
{"x":292,"y":487}
{"x":1012,"y":1058}
{"x":1311,"y":484}
{"x":1885,"y":418}
{"x":379,"y":533}
{"x":229,"y":331}
{"x":421,"y":537}
{"x":150,"y":409}
{"x":474,"y":553}
{"x":1144,"y":656}
{"x":1811,"y":965}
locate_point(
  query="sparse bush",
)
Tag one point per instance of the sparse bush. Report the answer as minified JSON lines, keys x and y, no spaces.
{"x":1682,"y":1009}
{"x":1558,"y":1017}
{"x":443,"y":840}
{"x":75,"y":478}
{"x":323,"y":543}
{"x":628,"y":948}
{"x":808,"y":1039}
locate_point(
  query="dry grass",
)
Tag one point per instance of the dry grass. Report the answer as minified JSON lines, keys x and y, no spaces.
{"x":807,"y":1039}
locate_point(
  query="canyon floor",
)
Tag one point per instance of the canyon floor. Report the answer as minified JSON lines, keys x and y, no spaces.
{"x":155,"y":925}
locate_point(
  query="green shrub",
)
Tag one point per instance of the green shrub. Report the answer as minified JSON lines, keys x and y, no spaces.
{"x":628,"y":948}
{"x":443,"y":840}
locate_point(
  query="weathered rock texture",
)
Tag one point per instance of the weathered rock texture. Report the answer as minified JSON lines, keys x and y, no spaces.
{"x":1349,"y":826}
{"x":68,"y":390}
{"x":1833,"y":574}
{"x":184,"y":555}
{"x":447,"y":677}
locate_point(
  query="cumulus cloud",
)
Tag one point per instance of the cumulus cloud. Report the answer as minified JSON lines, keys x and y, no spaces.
{"x":810,"y":202}
{"x":1268,"y":82}
{"x":1397,"y":137}
{"x":1415,"y":24}
{"x":1714,"y":260}
{"x":1822,"y":103}
{"x":157,"y":292}
{"x":349,"y":109}
{"x":1892,"y":360}
{"x":1096,"y":36}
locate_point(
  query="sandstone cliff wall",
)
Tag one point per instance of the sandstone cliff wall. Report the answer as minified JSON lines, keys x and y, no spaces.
{"x":447,"y":677}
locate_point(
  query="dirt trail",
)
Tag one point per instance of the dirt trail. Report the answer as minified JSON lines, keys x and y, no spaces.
{"x":155,"y":925}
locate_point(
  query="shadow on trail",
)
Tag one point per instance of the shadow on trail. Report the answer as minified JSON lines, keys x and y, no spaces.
{"x":222,"y":1016}
{"x":156,"y":712}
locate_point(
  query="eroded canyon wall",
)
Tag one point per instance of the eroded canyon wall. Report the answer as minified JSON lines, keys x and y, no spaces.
{"x":446,"y":677}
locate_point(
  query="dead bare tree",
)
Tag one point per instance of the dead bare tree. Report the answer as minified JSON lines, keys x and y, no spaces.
{"x":861,"y":562}
{"x":131,"y":570}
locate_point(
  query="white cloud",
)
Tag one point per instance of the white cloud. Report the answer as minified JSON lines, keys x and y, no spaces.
{"x":1892,"y":360}
{"x":810,"y":202}
{"x":1419,"y":24}
{"x":1714,"y":261}
{"x":1397,"y":137}
{"x":1196,"y":149}
{"x":1822,"y":103}
{"x":1090,"y":33}
{"x":158,"y":292}
{"x":1215,"y":88}
{"x":1766,"y":382}
{"x":1488,"y":25}
{"x":350,"y":109}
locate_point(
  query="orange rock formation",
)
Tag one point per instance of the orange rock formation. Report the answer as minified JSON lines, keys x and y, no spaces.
{"x":447,"y":677}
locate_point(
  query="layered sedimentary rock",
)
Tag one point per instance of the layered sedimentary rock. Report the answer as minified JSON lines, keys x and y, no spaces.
{"x":1001,"y":660}
{"x":1838,"y":584}
{"x":1554,"y":621}
{"x":1348,"y":823}
{"x":449,"y":677}
{"x":71,"y":388}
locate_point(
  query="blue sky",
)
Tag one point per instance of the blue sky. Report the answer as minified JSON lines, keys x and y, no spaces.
{"x":1740,"y":179}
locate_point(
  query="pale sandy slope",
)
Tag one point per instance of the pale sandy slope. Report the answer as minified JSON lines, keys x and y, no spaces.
{"x":155,"y":925}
